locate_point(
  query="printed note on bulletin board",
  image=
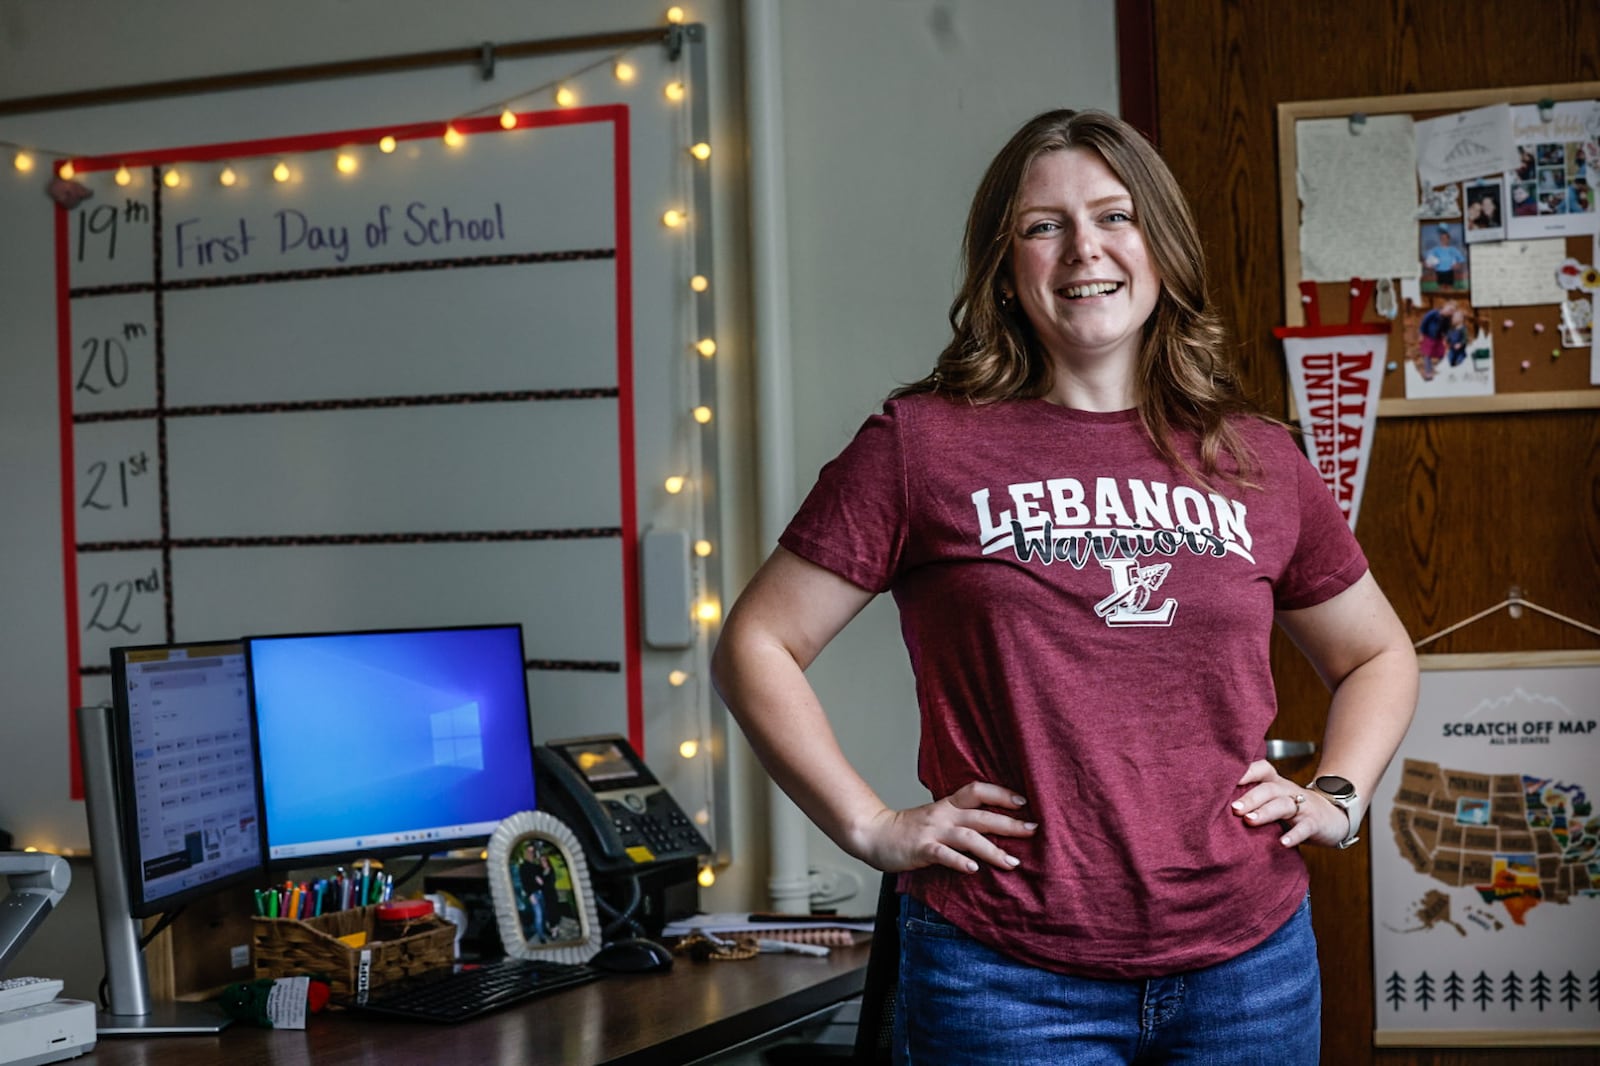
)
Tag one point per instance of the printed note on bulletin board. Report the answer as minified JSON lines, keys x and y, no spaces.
{"x":1477,"y":216}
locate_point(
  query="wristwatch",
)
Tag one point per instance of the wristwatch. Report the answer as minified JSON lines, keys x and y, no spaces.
{"x":1341,"y":794}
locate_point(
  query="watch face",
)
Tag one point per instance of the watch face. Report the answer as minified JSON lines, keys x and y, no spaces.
{"x":1334,"y":786}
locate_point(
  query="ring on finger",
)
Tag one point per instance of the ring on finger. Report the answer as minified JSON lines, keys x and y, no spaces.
{"x":1299,"y":799}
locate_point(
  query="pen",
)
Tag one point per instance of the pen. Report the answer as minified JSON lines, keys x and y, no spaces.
{"x":778,"y":947}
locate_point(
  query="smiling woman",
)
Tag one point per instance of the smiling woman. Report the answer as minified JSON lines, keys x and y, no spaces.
{"x":1089,"y":536}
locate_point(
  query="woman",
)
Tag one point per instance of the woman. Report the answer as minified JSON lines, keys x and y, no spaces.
{"x":1088,"y":536}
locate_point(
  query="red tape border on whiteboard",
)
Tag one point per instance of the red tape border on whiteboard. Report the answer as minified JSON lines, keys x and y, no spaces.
{"x":618,"y":116}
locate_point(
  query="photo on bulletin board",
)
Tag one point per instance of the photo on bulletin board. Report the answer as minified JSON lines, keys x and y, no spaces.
{"x":539,"y":880}
{"x":1486,"y":216}
{"x":1449,"y":349}
{"x":1444,"y":258}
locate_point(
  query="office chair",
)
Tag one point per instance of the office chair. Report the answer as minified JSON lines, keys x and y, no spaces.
{"x":875,"y":1030}
{"x":874,"y":1044}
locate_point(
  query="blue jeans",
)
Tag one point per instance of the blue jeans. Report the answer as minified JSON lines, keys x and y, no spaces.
{"x":960,"y":1002}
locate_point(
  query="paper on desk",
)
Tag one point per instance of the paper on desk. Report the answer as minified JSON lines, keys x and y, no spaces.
{"x":740,"y":922}
{"x":1466,"y":144}
{"x":1358,"y":199}
{"x":1517,"y":273}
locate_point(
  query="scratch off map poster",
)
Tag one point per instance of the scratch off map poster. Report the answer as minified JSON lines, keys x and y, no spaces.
{"x":1486,"y":857}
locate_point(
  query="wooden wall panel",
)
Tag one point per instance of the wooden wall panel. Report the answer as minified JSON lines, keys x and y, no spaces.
{"x":1457,"y":508}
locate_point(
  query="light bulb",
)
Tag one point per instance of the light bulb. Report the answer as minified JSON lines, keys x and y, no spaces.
{"x":565,"y":97}
{"x":677,"y":678}
{"x":452,"y":136}
{"x":280,"y":172}
{"x":702,"y":548}
{"x":674,"y":91}
{"x":675,"y":14}
{"x":23,"y":162}
{"x":67,"y":171}
{"x":122,"y":177}
{"x":701,"y":151}
{"x":702,"y":414}
{"x":706,"y":347}
{"x":675,"y":484}
{"x":689,"y":749}
{"x":508,"y":121}
{"x":708,"y":611}
{"x":699,"y":283}
{"x":227,"y":178}
{"x":171,"y":179}
{"x":386,"y":144}
{"x":707,"y":877}
{"x":624,"y":70}
{"x":673,"y":218}
{"x":346,"y":163}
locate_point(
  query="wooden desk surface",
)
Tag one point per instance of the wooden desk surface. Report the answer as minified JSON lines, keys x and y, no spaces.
{"x":691,"y":1011}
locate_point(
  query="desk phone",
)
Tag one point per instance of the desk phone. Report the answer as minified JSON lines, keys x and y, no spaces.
{"x":626,"y":819}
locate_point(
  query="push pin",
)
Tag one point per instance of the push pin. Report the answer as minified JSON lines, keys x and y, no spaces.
{"x":1526,"y":364}
{"x":1555,"y":353}
{"x":1507,"y":324}
{"x":1538,"y":327}
{"x":1392,"y":366}
{"x":1305,"y":297}
{"x":1354,"y":291}
{"x":1359,"y":119}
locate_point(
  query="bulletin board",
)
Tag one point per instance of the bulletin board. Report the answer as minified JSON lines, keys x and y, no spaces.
{"x":1516,"y":356}
{"x":415,"y":348}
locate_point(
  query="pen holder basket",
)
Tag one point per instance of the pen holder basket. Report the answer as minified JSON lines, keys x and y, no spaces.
{"x":285,"y":947}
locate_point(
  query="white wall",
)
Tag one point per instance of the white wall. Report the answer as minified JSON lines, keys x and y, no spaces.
{"x":892,"y":109}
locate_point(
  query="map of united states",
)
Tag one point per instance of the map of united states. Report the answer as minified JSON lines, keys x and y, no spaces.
{"x":1515,"y":839}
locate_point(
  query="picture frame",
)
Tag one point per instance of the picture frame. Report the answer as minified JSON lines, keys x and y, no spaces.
{"x":539,"y":880}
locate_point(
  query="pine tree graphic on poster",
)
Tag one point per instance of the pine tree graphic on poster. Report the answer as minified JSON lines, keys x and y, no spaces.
{"x":1594,"y":989}
{"x":1397,"y":990}
{"x":1539,"y":990}
{"x":1571,"y":990}
{"x":1454,"y":992}
{"x":1422,"y":989}
{"x":1483,"y":990}
{"x":1511,"y":990}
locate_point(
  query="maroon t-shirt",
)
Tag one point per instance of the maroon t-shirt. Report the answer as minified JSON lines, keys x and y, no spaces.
{"x":1089,"y":626}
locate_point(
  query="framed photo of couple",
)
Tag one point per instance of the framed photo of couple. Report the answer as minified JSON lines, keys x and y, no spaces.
{"x":539,"y":881}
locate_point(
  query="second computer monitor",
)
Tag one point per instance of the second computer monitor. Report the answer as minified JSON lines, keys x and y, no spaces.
{"x":389,"y":742}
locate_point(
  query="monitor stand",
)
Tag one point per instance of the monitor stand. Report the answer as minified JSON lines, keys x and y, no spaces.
{"x":131,"y":1013}
{"x":163,"y":1019}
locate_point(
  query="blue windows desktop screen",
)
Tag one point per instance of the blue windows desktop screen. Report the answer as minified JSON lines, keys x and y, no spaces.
{"x":397,"y":741}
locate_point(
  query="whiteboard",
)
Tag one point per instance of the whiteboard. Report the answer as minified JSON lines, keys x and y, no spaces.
{"x":270,"y":377}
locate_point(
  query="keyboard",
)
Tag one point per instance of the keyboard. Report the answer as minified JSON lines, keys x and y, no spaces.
{"x":454,"y":994}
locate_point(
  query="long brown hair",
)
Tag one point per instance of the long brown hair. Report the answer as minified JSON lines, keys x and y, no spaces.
{"x":1185,"y":382}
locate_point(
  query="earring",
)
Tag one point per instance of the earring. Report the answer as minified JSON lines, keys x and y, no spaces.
{"x":1008,"y":299}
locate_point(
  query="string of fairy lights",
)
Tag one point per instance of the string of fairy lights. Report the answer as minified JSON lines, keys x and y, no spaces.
{"x":67,"y":170}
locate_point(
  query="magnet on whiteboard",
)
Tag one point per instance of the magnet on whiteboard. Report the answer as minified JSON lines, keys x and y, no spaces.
{"x":664,"y":569}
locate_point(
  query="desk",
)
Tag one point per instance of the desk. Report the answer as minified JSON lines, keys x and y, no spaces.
{"x":694,"y":1010}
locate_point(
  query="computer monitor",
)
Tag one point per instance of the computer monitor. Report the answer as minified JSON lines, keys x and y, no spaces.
{"x":403,"y":741}
{"x":187,"y":774}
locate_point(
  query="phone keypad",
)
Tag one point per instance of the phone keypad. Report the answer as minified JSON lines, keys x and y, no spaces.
{"x":652,"y":820}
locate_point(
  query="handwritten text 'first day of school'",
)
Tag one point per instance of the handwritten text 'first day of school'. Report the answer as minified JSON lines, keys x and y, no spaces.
{"x":199,"y":243}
